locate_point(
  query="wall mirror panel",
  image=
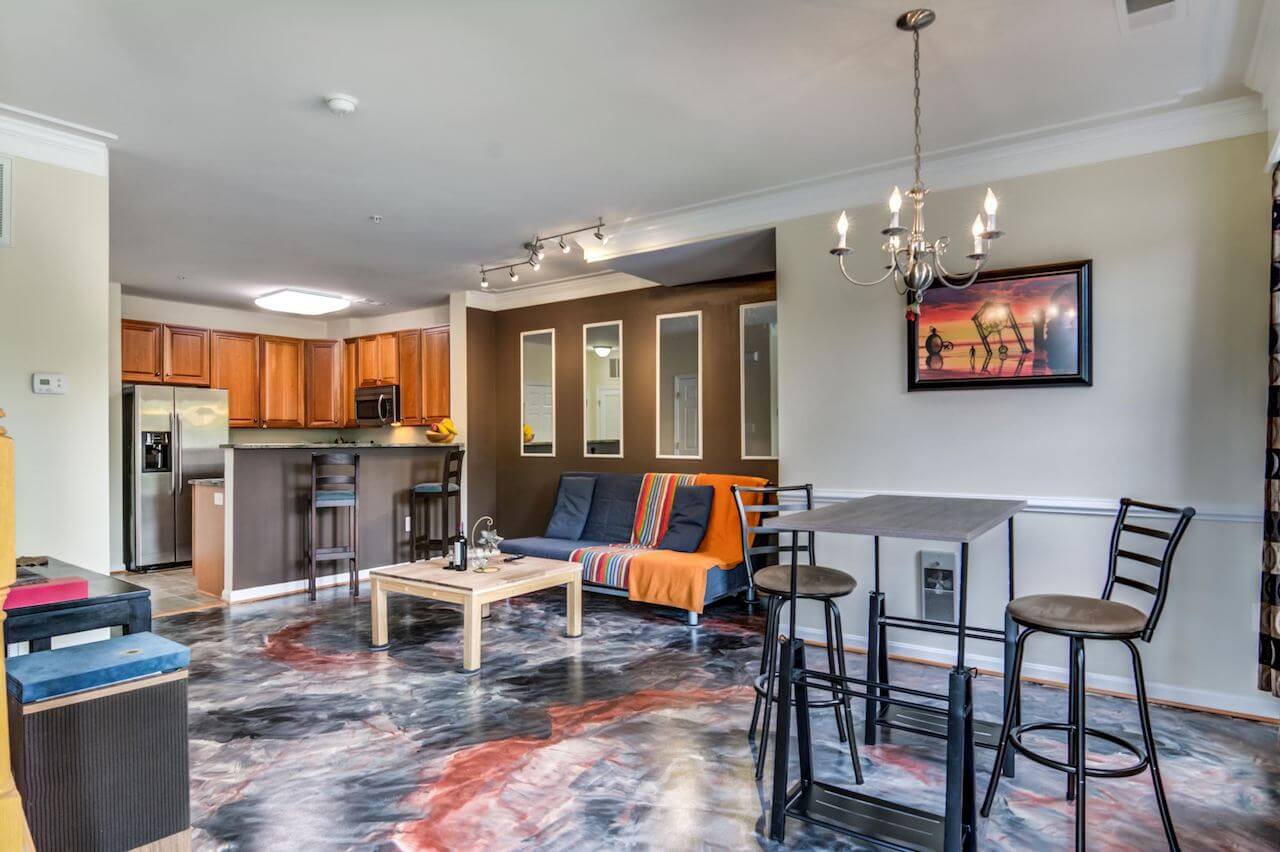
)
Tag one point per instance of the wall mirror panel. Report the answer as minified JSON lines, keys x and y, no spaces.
{"x":679,"y":383}
{"x":538,"y":393}
{"x":602,"y":389}
{"x":759,"y":351}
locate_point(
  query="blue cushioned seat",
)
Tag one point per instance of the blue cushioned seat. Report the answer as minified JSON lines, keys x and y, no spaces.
{"x":48,"y":674}
{"x":335,"y":498}
{"x":545,"y":548}
{"x":433,"y":487}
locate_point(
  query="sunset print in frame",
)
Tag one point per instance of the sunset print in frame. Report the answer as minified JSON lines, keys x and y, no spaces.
{"x":1011,"y":328}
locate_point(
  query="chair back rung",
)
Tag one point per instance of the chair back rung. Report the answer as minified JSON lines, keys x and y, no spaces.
{"x":1148,"y":531}
{"x":335,"y":479}
{"x":1141,"y":557}
{"x":1138,"y":584}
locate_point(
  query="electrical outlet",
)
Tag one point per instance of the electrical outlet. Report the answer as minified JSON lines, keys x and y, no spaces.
{"x":408,"y":527}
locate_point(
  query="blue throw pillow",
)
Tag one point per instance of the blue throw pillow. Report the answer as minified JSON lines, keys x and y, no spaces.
{"x":613,"y":507}
{"x":690,"y":511}
{"x":572,"y":505}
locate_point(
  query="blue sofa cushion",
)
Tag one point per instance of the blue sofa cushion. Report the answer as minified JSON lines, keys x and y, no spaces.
{"x":48,"y":674}
{"x":546,"y":548}
{"x":690,"y":511}
{"x":613,"y":507}
{"x":572,"y":505}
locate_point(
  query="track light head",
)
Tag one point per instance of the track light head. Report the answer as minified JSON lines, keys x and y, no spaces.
{"x":540,"y":251}
{"x":484,"y":281}
{"x":534,"y":262}
{"x":602,"y":236}
{"x":512,"y":273}
{"x":564,"y":247}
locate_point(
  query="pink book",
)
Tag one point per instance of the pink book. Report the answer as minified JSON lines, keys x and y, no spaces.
{"x":51,"y":591}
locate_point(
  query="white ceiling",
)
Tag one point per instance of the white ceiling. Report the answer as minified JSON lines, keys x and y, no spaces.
{"x":483,"y":122}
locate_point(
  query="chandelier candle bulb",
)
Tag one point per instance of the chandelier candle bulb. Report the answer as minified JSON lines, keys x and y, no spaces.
{"x":842,"y":228}
{"x":977,"y":234}
{"x":989,"y":204}
{"x":895,"y":205}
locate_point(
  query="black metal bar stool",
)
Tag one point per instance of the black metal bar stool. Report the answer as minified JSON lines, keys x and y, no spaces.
{"x":447,"y":494}
{"x":334,"y":490}
{"x":1080,"y":618}
{"x":814,"y":582}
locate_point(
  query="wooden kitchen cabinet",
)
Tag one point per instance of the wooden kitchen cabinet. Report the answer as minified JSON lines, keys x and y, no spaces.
{"x":324,"y":379}
{"x":435,"y":373}
{"x":350,"y":381}
{"x":141,"y":351}
{"x":186,"y":355}
{"x":409,"y":347}
{"x":379,"y":359}
{"x":233,"y":367}
{"x":281,"y":386}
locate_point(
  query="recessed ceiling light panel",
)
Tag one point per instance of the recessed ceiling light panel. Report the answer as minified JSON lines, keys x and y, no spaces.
{"x":297,"y":302}
{"x":340,"y":104}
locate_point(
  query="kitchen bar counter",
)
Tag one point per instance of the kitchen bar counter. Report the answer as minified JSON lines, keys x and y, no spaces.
{"x":267,"y":488}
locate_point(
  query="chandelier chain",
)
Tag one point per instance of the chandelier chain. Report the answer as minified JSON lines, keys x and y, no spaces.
{"x":916,"y":38}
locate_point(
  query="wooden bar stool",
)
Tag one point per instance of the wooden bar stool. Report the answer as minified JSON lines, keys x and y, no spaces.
{"x":813,"y":582}
{"x":447,"y":494}
{"x":1080,"y":618}
{"x":334,"y":490}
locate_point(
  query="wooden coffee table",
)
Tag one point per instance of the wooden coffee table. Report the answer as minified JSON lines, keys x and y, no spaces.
{"x":474,"y":592}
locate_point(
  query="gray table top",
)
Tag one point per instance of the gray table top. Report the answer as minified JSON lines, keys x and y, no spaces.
{"x":902,"y":516}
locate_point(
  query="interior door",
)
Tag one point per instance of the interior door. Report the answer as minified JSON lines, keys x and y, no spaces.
{"x":609,"y":414}
{"x":201,"y":421}
{"x":153,"y":475}
{"x":687,"y":439}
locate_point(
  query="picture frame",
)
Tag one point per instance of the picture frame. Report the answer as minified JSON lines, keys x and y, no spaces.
{"x":1020,"y":327}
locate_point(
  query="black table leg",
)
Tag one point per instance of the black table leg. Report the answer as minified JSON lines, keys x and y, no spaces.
{"x":1012,"y":685}
{"x":874,"y":606}
{"x":960,"y":817}
{"x":139,"y":615}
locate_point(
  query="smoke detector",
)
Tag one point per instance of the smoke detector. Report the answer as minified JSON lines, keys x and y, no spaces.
{"x":340,"y":104}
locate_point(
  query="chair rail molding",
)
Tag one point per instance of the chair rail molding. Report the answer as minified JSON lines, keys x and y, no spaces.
{"x":1099,"y":506}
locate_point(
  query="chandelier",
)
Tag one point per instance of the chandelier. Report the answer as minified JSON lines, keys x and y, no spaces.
{"x":913,"y":261}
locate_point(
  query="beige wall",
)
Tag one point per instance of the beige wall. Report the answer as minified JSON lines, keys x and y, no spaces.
{"x":54,"y":288}
{"x":1176,"y":413}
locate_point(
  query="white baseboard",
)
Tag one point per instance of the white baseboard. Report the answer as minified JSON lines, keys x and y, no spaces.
{"x":1262,"y":705}
{"x":254,"y":593}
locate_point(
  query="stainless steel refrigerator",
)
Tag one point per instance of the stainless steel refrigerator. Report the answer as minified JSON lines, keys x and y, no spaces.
{"x":171,"y":436}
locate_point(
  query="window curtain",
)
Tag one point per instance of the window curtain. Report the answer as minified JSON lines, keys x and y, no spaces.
{"x":1269,"y":629}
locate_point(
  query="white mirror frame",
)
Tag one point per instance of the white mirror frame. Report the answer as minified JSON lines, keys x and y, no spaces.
{"x":657,"y":387}
{"x":523,"y":335}
{"x":742,"y":377}
{"x":587,"y":354}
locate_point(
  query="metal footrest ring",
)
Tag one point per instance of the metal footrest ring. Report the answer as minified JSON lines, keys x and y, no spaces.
{"x":1090,"y":771}
{"x":758,"y":684}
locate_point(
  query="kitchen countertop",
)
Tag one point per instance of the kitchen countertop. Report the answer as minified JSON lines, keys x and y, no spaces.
{"x":351,"y":445}
{"x":216,"y":481}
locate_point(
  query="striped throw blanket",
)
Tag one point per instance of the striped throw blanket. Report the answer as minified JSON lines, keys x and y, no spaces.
{"x":608,"y":564}
{"x":653,"y":509}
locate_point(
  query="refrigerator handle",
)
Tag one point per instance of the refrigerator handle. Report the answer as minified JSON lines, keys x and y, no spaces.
{"x":176,"y":449}
{"x":173,"y":466}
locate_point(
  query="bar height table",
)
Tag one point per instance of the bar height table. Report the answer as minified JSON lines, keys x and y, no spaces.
{"x":887,"y":823}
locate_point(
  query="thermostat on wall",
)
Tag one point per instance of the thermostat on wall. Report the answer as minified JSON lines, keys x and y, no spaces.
{"x":48,"y":383}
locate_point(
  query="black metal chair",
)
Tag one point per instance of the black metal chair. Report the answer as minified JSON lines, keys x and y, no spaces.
{"x":447,"y":494}
{"x":813,"y":582}
{"x":331,"y":490}
{"x":1080,"y":618}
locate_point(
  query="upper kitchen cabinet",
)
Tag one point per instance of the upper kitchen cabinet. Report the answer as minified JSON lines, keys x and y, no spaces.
{"x":350,"y":381}
{"x":378,"y":359}
{"x":324,"y":376}
{"x":186,"y":355}
{"x":409,"y":347}
{"x":435,"y":373}
{"x":282,"y":383}
{"x":141,"y":351}
{"x":234,"y":368}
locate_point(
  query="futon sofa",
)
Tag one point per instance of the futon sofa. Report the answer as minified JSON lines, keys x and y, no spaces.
{"x":666,"y":539}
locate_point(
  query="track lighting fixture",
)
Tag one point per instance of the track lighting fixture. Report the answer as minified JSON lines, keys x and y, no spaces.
{"x":537,"y":250}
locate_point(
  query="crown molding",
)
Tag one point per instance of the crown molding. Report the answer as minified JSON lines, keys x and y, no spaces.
{"x":1049,"y":149}
{"x":563,"y":290}
{"x":45,"y":139}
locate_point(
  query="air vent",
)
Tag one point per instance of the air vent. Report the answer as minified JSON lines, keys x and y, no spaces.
{"x":6,"y":205}
{"x":1140,"y":14}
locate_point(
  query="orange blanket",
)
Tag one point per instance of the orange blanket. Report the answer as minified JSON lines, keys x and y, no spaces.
{"x":670,"y":578}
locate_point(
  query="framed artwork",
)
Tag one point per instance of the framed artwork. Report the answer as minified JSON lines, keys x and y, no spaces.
{"x":1012,"y":327}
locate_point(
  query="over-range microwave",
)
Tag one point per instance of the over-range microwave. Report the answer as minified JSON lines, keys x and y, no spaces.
{"x":378,"y":405}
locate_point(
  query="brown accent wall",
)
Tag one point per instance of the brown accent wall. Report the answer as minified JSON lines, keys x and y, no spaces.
{"x":524,"y":488}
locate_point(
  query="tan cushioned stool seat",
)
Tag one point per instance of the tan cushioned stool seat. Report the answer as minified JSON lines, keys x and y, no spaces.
{"x":1077,"y":614}
{"x":811,"y":581}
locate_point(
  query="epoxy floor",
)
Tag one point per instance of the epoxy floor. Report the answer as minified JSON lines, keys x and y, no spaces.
{"x":634,"y":736}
